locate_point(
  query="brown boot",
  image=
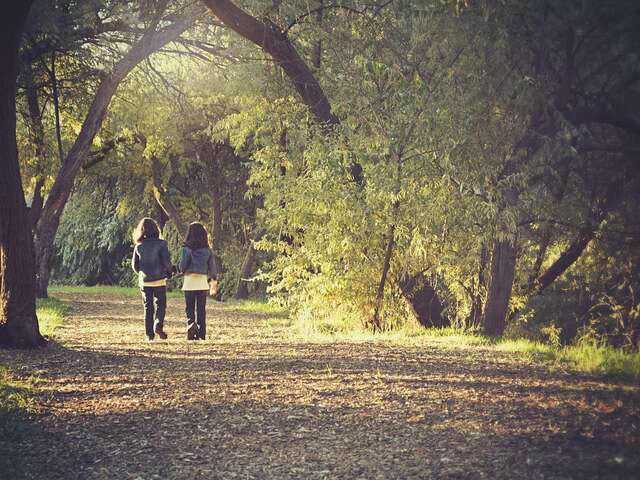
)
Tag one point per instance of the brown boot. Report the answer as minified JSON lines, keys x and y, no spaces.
{"x":160,"y":333}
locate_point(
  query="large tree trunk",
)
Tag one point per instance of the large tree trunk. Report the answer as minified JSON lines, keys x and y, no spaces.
{"x":424,"y":301}
{"x":49,"y":221}
{"x":475,"y":317}
{"x":242,"y":289}
{"x":502,"y":274}
{"x":18,"y":322}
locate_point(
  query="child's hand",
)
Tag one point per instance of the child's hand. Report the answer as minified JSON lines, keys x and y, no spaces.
{"x":213,"y":287}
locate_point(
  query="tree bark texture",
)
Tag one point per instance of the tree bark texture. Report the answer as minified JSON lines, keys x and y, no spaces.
{"x":501,"y":276}
{"x":475,"y":317}
{"x":18,"y":321}
{"x":49,"y":221}
{"x":242,"y":289}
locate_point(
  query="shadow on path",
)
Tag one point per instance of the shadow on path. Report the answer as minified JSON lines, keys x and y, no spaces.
{"x":253,"y":403}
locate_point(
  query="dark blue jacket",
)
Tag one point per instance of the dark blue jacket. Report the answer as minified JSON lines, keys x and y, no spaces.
{"x":151,"y":257}
{"x":200,"y":260}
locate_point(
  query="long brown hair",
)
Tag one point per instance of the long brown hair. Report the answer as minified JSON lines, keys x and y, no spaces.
{"x":197,"y":236}
{"x":147,"y":228}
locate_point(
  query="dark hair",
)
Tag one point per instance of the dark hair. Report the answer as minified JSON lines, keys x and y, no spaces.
{"x":147,"y":228}
{"x":197,"y":237}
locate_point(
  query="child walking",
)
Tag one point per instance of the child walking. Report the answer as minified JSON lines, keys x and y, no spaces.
{"x":198,"y":265}
{"x":152,"y":263}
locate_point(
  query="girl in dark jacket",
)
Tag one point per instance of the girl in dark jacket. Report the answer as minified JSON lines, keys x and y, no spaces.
{"x":198,"y":265}
{"x":152,"y":263}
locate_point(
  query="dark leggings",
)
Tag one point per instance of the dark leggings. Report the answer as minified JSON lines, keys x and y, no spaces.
{"x":155,"y":305}
{"x":195,"y":303}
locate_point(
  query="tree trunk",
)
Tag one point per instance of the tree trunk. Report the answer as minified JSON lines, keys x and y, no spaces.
{"x":18,"y":321}
{"x":597,"y":216}
{"x":375,"y":320}
{"x":56,"y":106}
{"x":216,"y":210}
{"x":242,"y":290}
{"x":476,"y":306}
{"x":566,"y":259}
{"x":391,"y":241}
{"x":275,"y":42}
{"x":547,"y":233}
{"x":37,"y":137}
{"x":162,"y":216}
{"x":424,"y":301}
{"x":502,"y":274}
{"x":49,"y":221}
{"x":540,"y":256}
{"x":215,"y":193}
{"x":43,"y":272}
{"x":164,"y":200}
{"x":36,"y":204}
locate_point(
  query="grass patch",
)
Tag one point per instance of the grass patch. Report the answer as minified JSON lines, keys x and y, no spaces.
{"x":586,"y":356}
{"x":51,"y":313}
{"x":603,"y":360}
{"x":279,"y":322}
{"x":254,"y":306}
{"x":105,"y":290}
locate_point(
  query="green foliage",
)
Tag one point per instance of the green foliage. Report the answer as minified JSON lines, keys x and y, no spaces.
{"x":94,"y":239}
{"x":461,"y":114}
{"x":399,"y":127}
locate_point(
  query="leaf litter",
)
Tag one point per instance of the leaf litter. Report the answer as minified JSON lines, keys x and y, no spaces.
{"x":254,"y":401}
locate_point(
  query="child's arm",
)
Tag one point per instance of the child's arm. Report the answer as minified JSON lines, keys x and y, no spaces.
{"x":184,"y":260}
{"x":135,"y":260}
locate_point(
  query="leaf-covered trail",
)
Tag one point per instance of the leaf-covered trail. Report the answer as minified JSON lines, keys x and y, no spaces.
{"x":255,"y":402}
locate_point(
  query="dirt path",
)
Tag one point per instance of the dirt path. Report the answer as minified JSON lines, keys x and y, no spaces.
{"x":253,"y":402}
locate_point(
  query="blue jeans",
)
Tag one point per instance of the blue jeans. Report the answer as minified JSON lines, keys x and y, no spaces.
{"x":155,"y":305}
{"x":195,"y":303}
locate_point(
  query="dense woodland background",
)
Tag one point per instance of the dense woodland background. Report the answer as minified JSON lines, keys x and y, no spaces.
{"x":464,"y":163}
